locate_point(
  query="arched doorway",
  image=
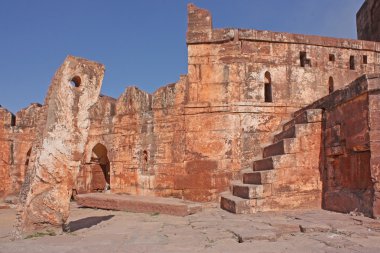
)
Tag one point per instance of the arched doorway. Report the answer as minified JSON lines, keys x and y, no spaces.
{"x":100,"y":169}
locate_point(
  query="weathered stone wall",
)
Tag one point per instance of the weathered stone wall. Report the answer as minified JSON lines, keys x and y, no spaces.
{"x":6,"y":153}
{"x":191,"y":138}
{"x":228,"y":65}
{"x":374,"y":137}
{"x":349,"y":163}
{"x":101,"y":116}
{"x":348,"y":179}
{"x":368,"y":21}
{"x":59,"y":145}
{"x":17,"y":133}
{"x":228,"y":70}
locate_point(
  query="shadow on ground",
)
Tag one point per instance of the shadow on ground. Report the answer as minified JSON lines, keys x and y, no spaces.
{"x":88,"y":222}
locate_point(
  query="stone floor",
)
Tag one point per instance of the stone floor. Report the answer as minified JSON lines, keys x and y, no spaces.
{"x":212,"y":230}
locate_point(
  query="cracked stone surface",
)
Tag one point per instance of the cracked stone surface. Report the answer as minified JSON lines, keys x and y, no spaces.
{"x":212,"y":230}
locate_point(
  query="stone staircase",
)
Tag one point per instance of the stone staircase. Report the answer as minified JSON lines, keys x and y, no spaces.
{"x":288,"y":175}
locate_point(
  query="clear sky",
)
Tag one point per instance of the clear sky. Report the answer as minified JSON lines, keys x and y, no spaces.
{"x":140,"y":42}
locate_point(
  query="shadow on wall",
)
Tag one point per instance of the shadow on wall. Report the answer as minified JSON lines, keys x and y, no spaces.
{"x":88,"y":222}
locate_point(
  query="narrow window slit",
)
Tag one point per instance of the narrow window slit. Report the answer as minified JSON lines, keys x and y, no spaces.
{"x":268,"y":88}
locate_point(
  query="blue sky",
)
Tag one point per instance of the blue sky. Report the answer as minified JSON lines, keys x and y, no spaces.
{"x":140,"y":42}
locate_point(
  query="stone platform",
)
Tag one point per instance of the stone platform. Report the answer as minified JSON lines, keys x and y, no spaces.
{"x":138,"y":204}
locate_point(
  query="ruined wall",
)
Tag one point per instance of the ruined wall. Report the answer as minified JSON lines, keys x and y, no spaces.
{"x":17,"y":133}
{"x":5,"y":151}
{"x":368,"y":21}
{"x":374,"y":144}
{"x":59,"y":145}
{"x":229,"y":70}
{"x":23,"y":135}
{"x":349,"y":184}
{"x":191,"y":138}
{"x":90,"y":175}
{"x":349,"y":163}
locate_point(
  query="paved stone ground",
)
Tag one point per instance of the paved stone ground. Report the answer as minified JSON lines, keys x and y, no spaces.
{"x":212,"y":230}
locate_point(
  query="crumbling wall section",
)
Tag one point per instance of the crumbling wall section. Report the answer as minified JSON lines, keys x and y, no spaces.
{"x":374,"y":144}
{"x":59,"y":145}
{"x":6,"y":151}
{"x":349,"y":158}
{"x":101,"y":117}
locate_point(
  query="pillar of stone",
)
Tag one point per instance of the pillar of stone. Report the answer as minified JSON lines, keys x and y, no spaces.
{"x":59,"y":146}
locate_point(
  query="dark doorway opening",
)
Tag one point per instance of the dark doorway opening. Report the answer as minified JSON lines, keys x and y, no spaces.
{"x":331,"y":84}
{"x":100,"y":169}
{"x":268,"y":87}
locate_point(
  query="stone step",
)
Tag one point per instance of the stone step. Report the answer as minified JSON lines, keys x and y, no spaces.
{"x":288,"y":133}
{"x":303,"y":117}
{"x":251,"y":191}
{"x":274,"y":162}
{"x":259,"y":177}
{"x":235,"y":204}
{"x":297,"y":130}
{"x":263,"y":164}
{"x":285,"y":146}
{"x":239,"y":177}
{"x":140,"y":204}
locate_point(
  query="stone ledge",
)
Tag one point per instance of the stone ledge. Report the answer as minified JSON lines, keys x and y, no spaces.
{"x":143,"y":204}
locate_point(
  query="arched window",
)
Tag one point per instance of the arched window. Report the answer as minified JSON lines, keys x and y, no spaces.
{"x":331,"y":84}
{"x":267,"y":87}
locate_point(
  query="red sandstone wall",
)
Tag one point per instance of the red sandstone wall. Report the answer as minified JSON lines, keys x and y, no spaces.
{"x":350,"y":167}
{"x":24,"y":133}
{"x":101,"y":116}
{"x":229,"y":65}
{"x":374,"y":136}
{"x":368,"y":21}
{"x":348,"y":176}
{"x":189,"y":139}
{"x":5,"y":152}
{"x":16,"y":136}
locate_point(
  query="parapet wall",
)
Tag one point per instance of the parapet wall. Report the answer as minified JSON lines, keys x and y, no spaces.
{"x":236,"y":63}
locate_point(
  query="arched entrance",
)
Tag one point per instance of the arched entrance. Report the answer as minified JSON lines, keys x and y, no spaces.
{"x":100,"y":168}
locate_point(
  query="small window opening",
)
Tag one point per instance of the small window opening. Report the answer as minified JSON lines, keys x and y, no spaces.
{"x":331,"y":84}
{"x":331,"y":57}
{"x":304,"y":61}
{"x":268,"y":88}
{"x":145,"y":156}
{"x":365,"y":59}
{"x":352,"y":62}
{"x":75,"y":81}
{"x":144,"y":162}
